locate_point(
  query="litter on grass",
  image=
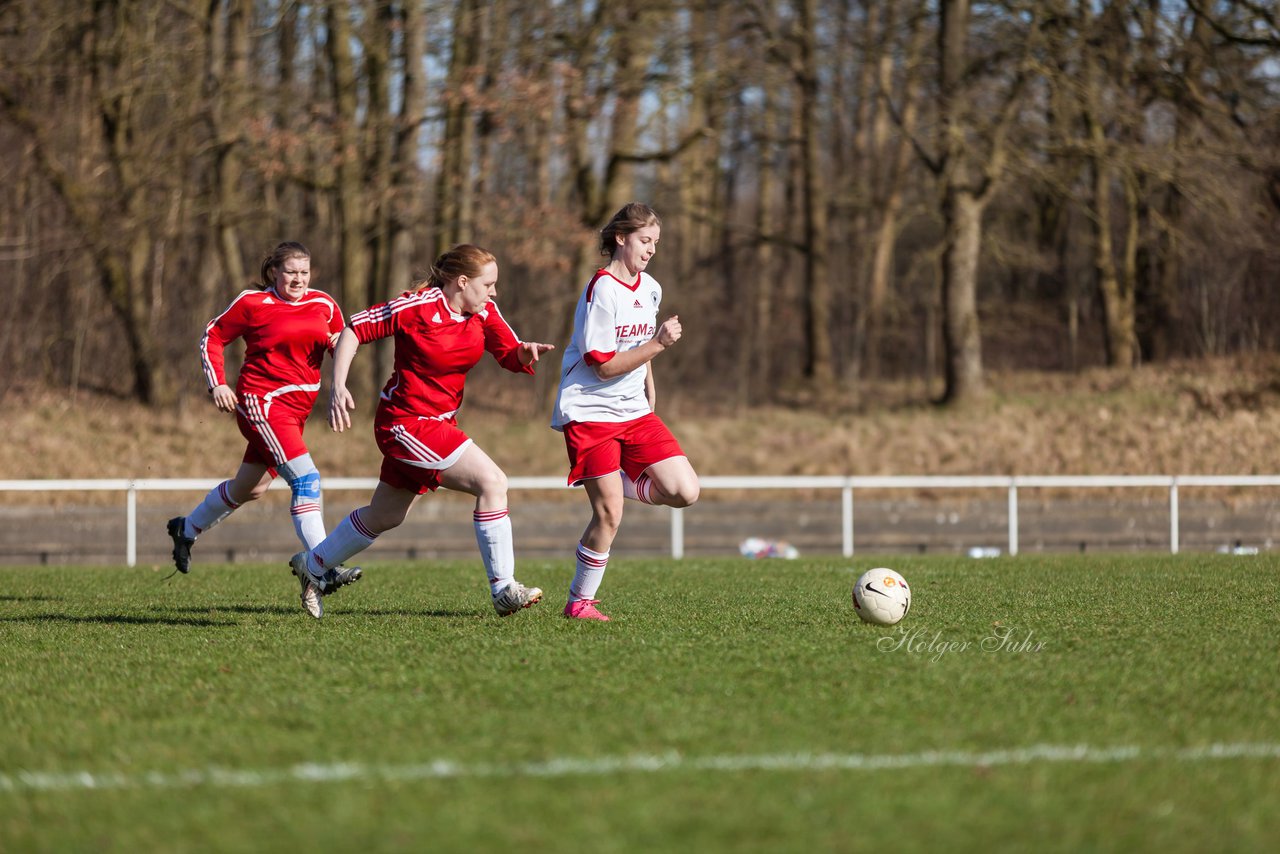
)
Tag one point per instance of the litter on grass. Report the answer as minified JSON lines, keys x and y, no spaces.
{"x":755,"y":547}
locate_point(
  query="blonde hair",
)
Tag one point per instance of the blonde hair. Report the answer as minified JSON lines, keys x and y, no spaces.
{"x":630,"y":219}
{"x":465,"y":259}
{"x":275,"y":260}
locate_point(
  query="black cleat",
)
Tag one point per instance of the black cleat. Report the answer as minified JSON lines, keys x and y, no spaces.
{"x":181,"y":544}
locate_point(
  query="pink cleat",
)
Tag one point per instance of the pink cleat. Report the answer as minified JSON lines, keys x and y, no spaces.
{"x":584,"y":609}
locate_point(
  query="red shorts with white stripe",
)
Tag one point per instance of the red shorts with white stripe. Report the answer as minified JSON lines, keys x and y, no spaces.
{"x":416,"y":450}
{"x":598,"y":448}
{"x":274,"y":432}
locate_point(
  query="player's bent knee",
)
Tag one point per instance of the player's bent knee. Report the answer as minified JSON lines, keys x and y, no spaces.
{"x":687,"y":494}
{"x":683,"y":493}
{"x":494,"y":483}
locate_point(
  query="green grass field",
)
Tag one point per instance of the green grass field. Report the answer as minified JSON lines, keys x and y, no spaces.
{"x":1051,"y":703}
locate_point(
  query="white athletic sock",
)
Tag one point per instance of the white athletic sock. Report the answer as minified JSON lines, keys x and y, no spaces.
{"x":588,"y":573}
{"x":217,"y":505}
{"x":350,"y":538}
{"x":640,"y":489}
{"x":308,"y":523}
{"x":493,"y":536}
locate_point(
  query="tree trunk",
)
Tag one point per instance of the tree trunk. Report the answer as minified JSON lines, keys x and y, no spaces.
{"x":1115,"y":286}
{"x":818,"y":365}
{"x":453,"y":223}
{"x":961,"y":335}
{"x":962,"y":210}
{"x":757,"y":344}
{"x":891,"y":190}
{"x":227,"y":80}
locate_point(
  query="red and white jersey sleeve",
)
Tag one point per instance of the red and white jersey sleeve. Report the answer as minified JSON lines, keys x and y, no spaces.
{"x":285,"y":343}
{"x":612,"y":316}
{"x":434,"y":350}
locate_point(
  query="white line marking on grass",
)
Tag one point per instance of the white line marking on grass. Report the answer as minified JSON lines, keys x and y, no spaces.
{"x":338,"y":772}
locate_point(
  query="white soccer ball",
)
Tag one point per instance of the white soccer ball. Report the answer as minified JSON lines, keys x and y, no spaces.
{"x":881,"y":596}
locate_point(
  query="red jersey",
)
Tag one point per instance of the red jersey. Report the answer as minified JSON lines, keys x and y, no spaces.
{"x":434,"y":349}
{"x":284,"y":341}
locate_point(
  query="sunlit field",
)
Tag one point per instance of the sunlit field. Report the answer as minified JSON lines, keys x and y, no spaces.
{"x":1038,"y":703}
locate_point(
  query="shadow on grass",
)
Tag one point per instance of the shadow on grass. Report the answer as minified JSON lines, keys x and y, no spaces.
{"x":116,"y":619}
{"x":289,"y":611}
{"x":30,"y":598}
{"x":405,"y":612}
{"x":234,"y":609}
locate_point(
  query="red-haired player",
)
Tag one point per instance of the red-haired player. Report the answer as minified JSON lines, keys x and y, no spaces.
{"x":441,"y":331}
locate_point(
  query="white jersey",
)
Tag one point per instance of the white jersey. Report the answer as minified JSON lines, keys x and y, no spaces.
{"x":612,"y":316}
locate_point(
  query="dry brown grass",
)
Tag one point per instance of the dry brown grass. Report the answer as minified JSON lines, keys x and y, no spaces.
{"x":1213,"y":417}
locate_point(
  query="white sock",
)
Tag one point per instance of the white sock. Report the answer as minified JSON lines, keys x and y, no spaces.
{"x":588,"y":574}
{"x":640,"y":489}
{"x":217,"y":505}
{"x":350,"y":538}
{"x":305,"y":505}
{"x":493,"y":536}
{"x":308,"y":523}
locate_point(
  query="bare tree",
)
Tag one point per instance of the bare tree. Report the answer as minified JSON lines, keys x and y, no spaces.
{"x":894,"y":72}
{"x":123,"y":193}
{"x":969,"y":164}
{"x":455,"y":184}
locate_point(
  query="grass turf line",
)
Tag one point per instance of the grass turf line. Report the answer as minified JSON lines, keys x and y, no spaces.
{"x":111,"y":671}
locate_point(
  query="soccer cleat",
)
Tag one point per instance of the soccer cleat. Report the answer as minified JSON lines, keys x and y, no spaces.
{"x":336,"y":578}
{"x":315,"y":588}
{"x":514,"y":597}
{"x":312,"y":599}
{"x":584,"y":609}
{"x":181,"y":544}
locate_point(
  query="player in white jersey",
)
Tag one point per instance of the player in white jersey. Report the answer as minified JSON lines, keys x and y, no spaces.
{"x":618,"y":448}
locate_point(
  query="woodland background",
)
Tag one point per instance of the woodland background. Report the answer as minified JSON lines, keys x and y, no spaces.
{"x":852,"y":192}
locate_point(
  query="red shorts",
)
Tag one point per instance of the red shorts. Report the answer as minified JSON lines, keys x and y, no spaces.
{"x":416,"y":450}
{"x":274,"y":432}
{"x":599,"y":448}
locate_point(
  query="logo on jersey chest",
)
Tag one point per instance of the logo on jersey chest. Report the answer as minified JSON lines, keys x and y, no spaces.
{"x":633,"y":330}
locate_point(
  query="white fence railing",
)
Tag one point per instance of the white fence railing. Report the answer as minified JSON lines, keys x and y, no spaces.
{"x":846,"y":485}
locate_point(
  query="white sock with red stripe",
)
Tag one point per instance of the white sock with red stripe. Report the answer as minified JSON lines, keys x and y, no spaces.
{"x":640,"y":489}
{"x":588,"y":573}
{"x":308,"y":524}
{"x":217,"y":505}
{"x":350,"y":538}
{"x":493,"y":536}
{"x":305,"y":505}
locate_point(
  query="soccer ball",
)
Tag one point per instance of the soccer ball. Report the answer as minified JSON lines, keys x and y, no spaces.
{"x":881,"y":596}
